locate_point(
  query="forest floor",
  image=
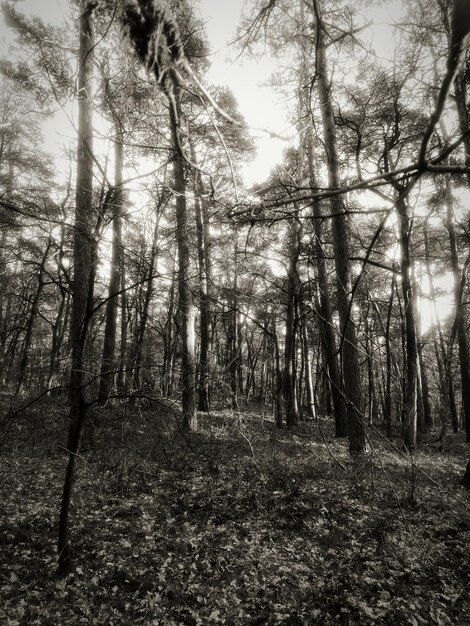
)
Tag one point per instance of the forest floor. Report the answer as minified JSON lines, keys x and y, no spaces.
{"x":236,"y":524}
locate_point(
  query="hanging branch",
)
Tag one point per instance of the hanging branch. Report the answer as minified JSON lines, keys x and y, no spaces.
{"x":154,"y":32}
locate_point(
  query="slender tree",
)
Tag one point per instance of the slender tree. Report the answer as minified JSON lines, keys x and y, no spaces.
{"x":351,"y":375}
{"x":83,"y":249}
{"x":186,"y":305}
{"x":108,"y":363}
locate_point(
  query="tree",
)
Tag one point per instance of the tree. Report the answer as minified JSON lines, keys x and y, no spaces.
{"x":163,"y":55}
{"x":108,"y":362}
{"x":82,"y":289}
{"x":350,"y":360}
{"x":186,"y":306}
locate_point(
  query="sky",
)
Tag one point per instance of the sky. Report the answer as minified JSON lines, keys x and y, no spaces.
{"x":244,"y":77}
{"x":259,"y":104}
{"x":247,"y":78}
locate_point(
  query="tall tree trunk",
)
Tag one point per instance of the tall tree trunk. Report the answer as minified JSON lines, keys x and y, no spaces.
{"x":372,"y":403}
{"x":168,"y":342}
{"x":388,"y":350}
{"x":351,"y":375}
{"x":4,"y":302}
{"x":290,"y":349}
{"x":277,"y":375}
{"x":308,"y":374}
{"x":122,"y":382}
{"x":3,"y":259}
{"x":148,"y":294}
{"x":443,"y":354}
{"x":460,"y":323}
{"x":325,"y":309}
{"x":460,"y":84}
{"x":21,"y":384}
{"x":460,"y":96}
{"x":108,"y":362}
{"x":186,"y":307}
{"x":428,"y":419}
{"x":233,"y":330}
{"x":205,"y":280}
{"x":83,"y":251}
{"x":410,"y":399}
{"x":326,"y":323}
{"x":262,"y":389}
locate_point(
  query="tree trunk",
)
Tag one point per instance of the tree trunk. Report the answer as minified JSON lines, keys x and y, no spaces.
{"x":327,"y":330}
{"x":205,"y":280}
{"x":460,"y":87}
{"x":462,"y":112}
{"x":290,"y":350}
{"x":83,"y":251}
{"x":277,"y":376}
{"x":186,"y":307}
{"x":308,"y":375}
{"x":351,"y":375}
{"x":233,"y":328}
{"x":121,"y":382}
{"x":149,"y":289}
{"x":168,"y":343}
{"x":410,"y":400}
{"x":372,"y":400}
{"x":31,"y":321}
{"x":108,"y":362}
{"x":460,"y":322}
{"x":325,"y":310}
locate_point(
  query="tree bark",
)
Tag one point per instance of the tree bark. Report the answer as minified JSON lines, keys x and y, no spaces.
{"x":205,"y":281}
{"x":290,"y":349}
{"x":277,"y":376}
{"x":186,"y":307}
{"x":108,"y":362}
{"x":169,"y":340}
{"x":410,"y":399}
{"x":388,"y":357}
{"x":443,"y":354}
{"x":326,"y":316}
{"x":460,"y":322}
{"x":308,"y":375}
{"x":83,"y":252}
{"x":233,"y":330}
{"x":351,"y":375}
{"x":148,"y":294}
{"x":21,"y":384}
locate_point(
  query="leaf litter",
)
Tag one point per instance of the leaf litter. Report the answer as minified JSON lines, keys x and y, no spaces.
{"x":236,"y":524}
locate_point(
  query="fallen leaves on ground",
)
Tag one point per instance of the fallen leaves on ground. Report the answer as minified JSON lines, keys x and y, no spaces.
{"x":236,"y":524}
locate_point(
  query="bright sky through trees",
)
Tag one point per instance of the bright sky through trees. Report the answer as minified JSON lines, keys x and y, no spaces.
{"x":249,"y":79}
